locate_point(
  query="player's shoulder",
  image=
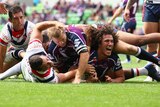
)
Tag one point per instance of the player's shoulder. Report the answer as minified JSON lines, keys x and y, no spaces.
{"x":30,"y":24}
{"x":5,"y":27}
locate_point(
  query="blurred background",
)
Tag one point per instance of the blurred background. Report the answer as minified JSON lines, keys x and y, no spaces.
{"x":71,"y":11}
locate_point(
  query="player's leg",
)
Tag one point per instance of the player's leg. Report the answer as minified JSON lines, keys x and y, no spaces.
{"x":151,"y":20}
{"x":138,"y":40}
{"x":122,"y":47}
{"x":147,"y":70}
{"x":12,"y":71}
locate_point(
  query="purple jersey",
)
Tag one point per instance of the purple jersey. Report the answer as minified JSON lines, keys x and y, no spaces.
{"x":64,"y":57}
{"x":133,"y":9}
{"x":103,"y":66}
{"x":131,"y":25}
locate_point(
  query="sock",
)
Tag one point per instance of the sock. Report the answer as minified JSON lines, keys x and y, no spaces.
{"x":128,"y":58}
{"x":142,"y":54}
{"x":12,"y":71}
{"x":139,"y":71}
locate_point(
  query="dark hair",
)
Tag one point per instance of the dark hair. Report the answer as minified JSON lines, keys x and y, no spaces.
{"x":35,"y":62}
{"x":45,"y":37}
{"x":13,"y":10}
{"x":98,"y":34}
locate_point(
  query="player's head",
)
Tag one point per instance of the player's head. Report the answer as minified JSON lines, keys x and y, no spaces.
{"x":40,"y":62}
{"x":16,"y":17}
{"x":105,"y":40}
{"x":99,"y":36}
{"x":58,"y":35}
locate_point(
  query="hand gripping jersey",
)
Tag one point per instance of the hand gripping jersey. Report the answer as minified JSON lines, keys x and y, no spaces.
{"x":65,"y":57}
{"x":17,"y":39}
{"x":103,"y":66}
{"x":35,"y":47}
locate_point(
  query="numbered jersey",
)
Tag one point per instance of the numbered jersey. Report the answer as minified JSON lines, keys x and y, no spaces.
{"x":18,"y":39}
{"x":103,"y":66}
{"x":35,"y":47}
{"x":67,"y":55}
{"x":133,"y":8}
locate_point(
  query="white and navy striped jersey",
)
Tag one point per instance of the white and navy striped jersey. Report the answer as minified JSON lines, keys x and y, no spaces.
{"x":18,"y":39}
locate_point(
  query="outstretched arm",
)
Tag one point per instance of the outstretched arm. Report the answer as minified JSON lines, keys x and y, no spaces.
{"x":36,"y":34}
{"x":119,"y":77}
{"x":83,"y":62}
{"x":117,"y":13}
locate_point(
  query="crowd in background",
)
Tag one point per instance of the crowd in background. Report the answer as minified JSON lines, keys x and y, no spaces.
{"x":67,"y":12}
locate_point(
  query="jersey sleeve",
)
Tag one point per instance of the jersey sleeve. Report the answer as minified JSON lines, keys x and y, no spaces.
{"x":5,"y":37}
{"x":77,"y":36}
{"x":35,"y":45}
{"x":30,"y":28}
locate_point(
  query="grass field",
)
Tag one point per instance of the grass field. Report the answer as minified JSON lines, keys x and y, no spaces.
{"x":132,"y":93}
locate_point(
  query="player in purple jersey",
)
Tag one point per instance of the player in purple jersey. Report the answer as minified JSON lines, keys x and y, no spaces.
{"x":129,"y":26}
{"x":106,"y":63}
{"x":68,"y":50}
{"x":125,"y":38}
{"x":16,"y":34}
{"x":151,"y":18}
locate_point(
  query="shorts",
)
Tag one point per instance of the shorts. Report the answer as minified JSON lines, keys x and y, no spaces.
{"x":151,"y":13}
{"x":129,"y":25}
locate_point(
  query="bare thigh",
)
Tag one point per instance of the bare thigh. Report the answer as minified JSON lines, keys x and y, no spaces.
{"x":125,"y":48}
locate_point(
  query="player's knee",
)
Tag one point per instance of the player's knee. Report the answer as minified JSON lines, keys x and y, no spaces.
{"x":131,"y":50}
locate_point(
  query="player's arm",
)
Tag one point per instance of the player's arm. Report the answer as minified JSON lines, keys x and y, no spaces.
{"x":36,"y":34}
{"x":119,"y":77}
{"x":117,"y":13}
{"x":2,"y":56}
{"x":127,"y":9}
{"x":83,"y":61}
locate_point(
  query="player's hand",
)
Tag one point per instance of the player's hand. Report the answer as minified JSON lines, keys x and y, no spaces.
{"x":76,"y":81}
{"x":108,"y":78}
{"x":3,"y":10}
{"x":126,"y":15}
{"x":109,"y":22}
{"x":90,"y":68}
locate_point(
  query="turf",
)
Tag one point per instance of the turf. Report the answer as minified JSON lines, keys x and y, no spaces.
{"x":132,"y":93}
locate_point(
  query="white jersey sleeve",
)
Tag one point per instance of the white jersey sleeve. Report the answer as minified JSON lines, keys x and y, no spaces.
{"x":5,"y":37}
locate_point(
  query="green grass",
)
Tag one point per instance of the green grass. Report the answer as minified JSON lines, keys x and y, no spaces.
{"x":132,"y":93}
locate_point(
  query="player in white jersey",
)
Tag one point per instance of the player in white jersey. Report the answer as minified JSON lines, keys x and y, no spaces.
{"x":36,"y":65}
{"x":35,"y":48}
{"x":15,"y":33}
